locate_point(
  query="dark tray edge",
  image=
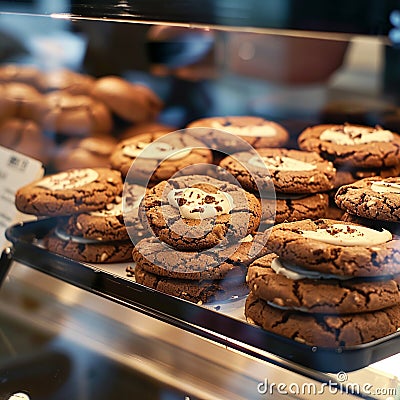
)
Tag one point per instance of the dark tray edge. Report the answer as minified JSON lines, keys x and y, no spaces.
{"x":199,"y":320}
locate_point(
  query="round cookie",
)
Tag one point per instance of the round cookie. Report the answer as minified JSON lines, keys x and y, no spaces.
{"x":293,"y":208}
{"x":197,"y":212}
{"x":197,"y":292}
{"x":289,"y":171}
{"x":110,"y":223}
{"x":91,"y":152}
{"x":154,"y":256}
{"x":256,"y":131}
{"x":373,"y":198}
{"x":131,"y":102}
{"x":271,"y":280}
{"x":151,"y":165}
{"x":70,"y":192}
{"x":336,"y":247}
{"x":321,"y":329}
{"x":27,"y":74}
{"x":71,"y":115}
{"x":86,"y":250}
{"x":22,"y":100}
{"x":68,"y":81}
{"x":25,"y":136}
{"x":356,"y":145}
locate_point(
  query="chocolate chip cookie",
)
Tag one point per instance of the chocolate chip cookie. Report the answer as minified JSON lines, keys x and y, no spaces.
{"x":289,"y":171}
{"x":323,"y":330}
{"x":290,"y":287}
{"x":160,"y":155}
{"x":197,"y":212}
{"x":355,"y":145}
{"x":336,"y":247}
{"x":70,"y":192}
{"x":373,"y":198}
{"x":258,"y":132}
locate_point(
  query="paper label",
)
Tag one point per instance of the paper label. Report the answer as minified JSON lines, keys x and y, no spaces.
{"x":16,"y":170}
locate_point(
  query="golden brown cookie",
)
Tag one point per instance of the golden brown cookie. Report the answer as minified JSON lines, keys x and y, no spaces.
{"x":132,"y":102}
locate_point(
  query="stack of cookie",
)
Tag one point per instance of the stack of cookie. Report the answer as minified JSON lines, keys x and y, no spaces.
{"x":329,"y":283}
{"x":88,"y":206}
{"x":203,"y":238}
{"x":372,"y":202}
{"x":299,"y":178}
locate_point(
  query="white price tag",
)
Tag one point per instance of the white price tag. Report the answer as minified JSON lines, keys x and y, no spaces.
{"x":16,"y":170}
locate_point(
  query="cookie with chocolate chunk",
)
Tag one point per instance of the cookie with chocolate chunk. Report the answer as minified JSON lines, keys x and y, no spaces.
{"x":87,"y":250}
{"x":161,"y":156}
{"x":373,"y":198}
{"x":288,"y":286}
{"x":355,"y":145}
{"x":288,"y":208}
{"x":70,"y":192}
{"x":288,"y":171}
{"x":323,"y":330}
{"x":257,"y":132}
{"x":336,"y":247}
{"x":198,"y":212}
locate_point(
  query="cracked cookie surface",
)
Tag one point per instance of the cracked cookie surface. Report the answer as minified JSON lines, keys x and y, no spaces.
{"x":321,"y":329}
{"x":372,"y":154}
{"x":256,"y":131}
{"x":329,"y":296}
{"x":288,"y":210}
{"x":288,"y":241}
{"x":288,"y":171}
{"x":373,"y":198}
{"x":154,"y":169}
{"x":201,"y":232}
{"x":204,"y":291}
{"x":70,"y":192}
{"x":231,"y":262}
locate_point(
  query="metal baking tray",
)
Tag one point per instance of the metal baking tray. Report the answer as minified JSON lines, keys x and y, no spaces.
{"x":221,"y":323}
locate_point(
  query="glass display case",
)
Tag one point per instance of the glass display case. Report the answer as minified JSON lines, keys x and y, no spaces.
{"x":78,"y":330}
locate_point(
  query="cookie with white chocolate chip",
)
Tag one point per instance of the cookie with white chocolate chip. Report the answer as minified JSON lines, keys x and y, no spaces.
{"x":198,"y":212}
{"x":373,"y":198}
{"x":70,"y":192}
{"x":289,"y":171}
{"x":355,"y":145}
{"x":287,"y":286}
{"x":336,"y":247}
